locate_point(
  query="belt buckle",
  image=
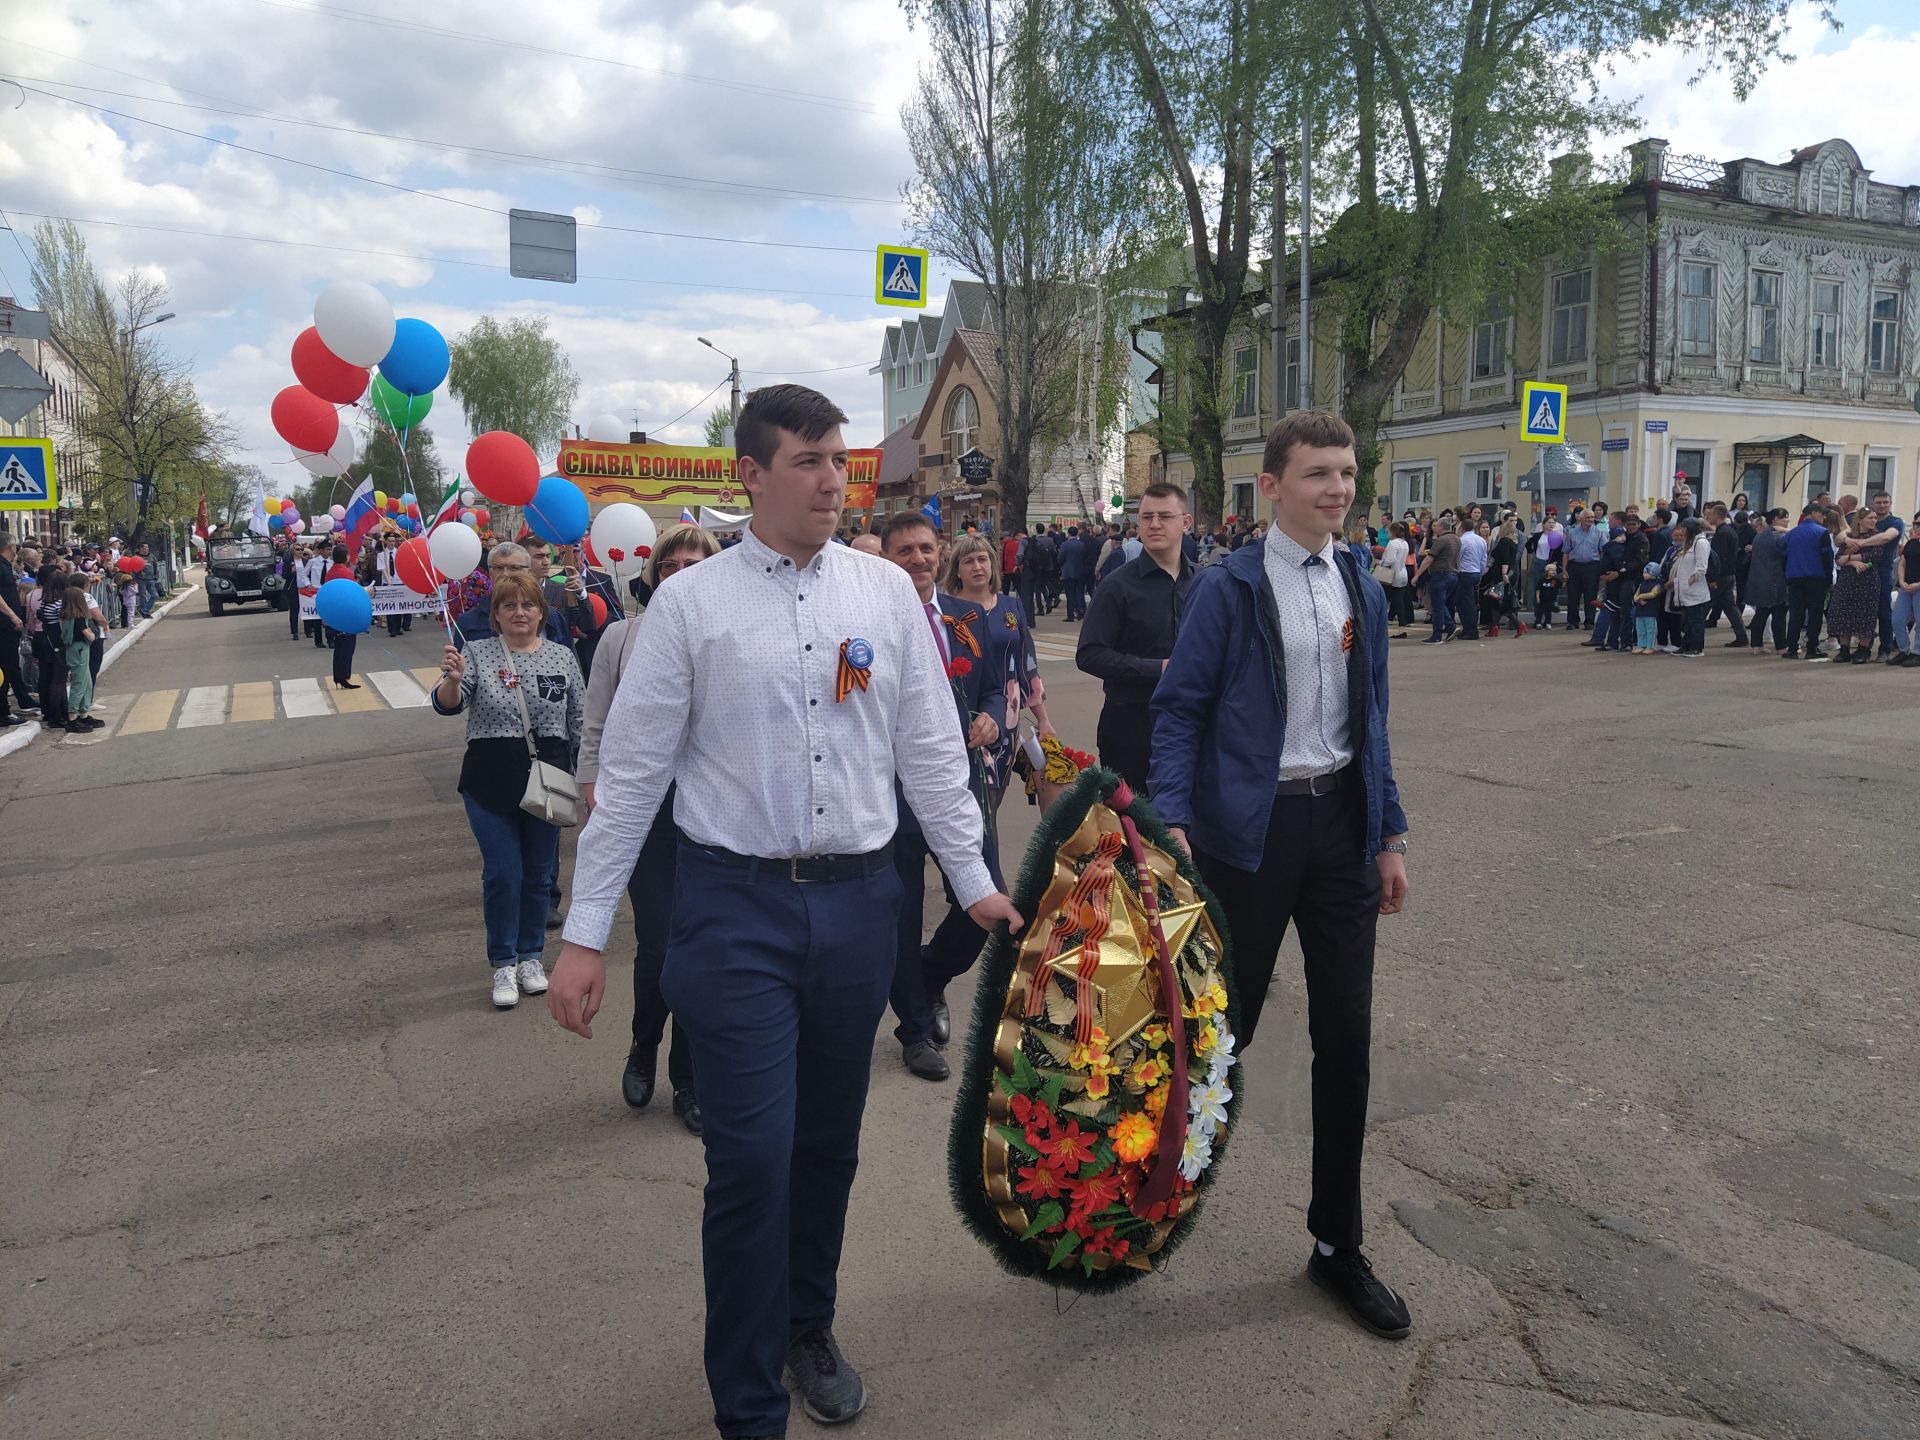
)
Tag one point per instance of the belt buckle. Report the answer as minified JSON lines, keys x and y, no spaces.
{"x":793,"y":871}
{"x":1313,"y":783}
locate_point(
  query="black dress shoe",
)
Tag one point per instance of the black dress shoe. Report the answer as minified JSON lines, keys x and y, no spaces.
{"x":1348,"y":1275}
{"x":830,"y":1389}
{"x":686,"y":1105}
{"x":942,"y":1020}
{"x":924,"y":1059}
{"x":636,"y":1081}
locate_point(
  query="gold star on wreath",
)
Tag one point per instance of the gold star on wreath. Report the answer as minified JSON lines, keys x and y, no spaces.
{"x":1126,"y":993}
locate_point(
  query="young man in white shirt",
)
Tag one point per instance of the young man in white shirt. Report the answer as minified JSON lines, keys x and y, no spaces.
{"x":1280,"y":670}
{"x":789,"y":680}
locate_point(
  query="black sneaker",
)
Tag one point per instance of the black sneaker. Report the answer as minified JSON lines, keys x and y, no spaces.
{"x":942,"y":1020}
{"x":686,"y":1106}
{"x":1896,"y":658}
{"x":1348,"y":1275}
{"x":924,"y":1059}
{"x":1863,"y":657}
{"x":636,"y":1081}
{"x":1734,"y":645}
{"x":1910,"y":659}
{"x":830,"y":1389}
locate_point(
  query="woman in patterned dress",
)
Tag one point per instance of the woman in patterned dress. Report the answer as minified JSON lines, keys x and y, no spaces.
{"x":999,"y":639}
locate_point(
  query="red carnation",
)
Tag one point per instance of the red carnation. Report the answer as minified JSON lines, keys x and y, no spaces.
{"x":641,"y":552}
{"x":616,"y":556}
{"x":959,"y":668}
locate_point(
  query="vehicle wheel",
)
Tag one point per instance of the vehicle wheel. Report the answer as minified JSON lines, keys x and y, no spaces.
{"x":215,"y":606}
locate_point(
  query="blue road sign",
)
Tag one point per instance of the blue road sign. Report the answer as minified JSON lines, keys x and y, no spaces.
{"x":1619,"y":444}
{"x":26,"y":474}
{"x":1543,"y":413}
{"x":900,"y":276}
{"x":1656,"y":427}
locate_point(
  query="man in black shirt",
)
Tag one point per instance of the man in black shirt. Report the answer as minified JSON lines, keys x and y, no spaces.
{"x":1725,"y":544}
{"x":1129,"y":628}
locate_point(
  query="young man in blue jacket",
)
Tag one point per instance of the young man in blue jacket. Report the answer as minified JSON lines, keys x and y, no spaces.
{"x":1271,"y":765}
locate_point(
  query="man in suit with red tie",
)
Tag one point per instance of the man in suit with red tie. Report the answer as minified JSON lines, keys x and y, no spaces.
{"x":921,"y":973}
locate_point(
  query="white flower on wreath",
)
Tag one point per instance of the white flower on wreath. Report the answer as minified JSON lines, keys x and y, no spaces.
{"x":1209,"y":1106}
{"x":1196,"y":1155}
{"x":1221,"y":1059}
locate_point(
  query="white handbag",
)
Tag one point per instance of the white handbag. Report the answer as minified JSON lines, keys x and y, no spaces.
{"x":552,"y":794}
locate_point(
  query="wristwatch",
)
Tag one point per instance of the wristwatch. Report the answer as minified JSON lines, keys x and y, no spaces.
{"x":1393,"y":847}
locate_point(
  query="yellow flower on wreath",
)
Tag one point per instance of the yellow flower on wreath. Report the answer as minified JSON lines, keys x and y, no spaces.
{"x":1134,"y":1137}
{"x":1207,"y":1002}
{"x":1156,"y":1035}
{"x":1156,"y":1103}
{"x":1205,"y":1039}
{"x":1148,"y":1071}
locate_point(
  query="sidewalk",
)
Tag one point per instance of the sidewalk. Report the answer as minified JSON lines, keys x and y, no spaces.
{"x":119,"y":641}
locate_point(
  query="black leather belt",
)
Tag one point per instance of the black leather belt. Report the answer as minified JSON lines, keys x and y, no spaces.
{"x":1316,"y":784}
{"x":799,"y":869}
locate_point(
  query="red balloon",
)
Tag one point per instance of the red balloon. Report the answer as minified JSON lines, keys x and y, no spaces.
{"x":586,"y":548}
{"x":503,"y":467}
{"x":305,"y":421}
{"x":599,"y":609}
{"x":325,"y":373}
{"x":415,"y":567}
{"x":131,"y":564}
{"x":482,"y":516}
{"x":413,"y":512}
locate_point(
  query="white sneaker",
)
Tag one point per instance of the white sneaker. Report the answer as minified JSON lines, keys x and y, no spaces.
{"x":533,"y":979}
{"x":506,"y":994}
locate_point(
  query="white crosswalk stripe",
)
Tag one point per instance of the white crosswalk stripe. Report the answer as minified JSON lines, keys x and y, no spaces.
{"x":205,"y":705}
{"x":296,"y":698}
{"x":303,"y":697}
{"x":398,"y":689}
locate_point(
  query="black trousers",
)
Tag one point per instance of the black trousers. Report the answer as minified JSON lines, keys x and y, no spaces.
{"x":1076,"y":598}
{"x":1806,"y":610}
{"x":650,"y":888}
{"x":1466,"y":605}
{"x":1124,"y":739}
{"x":12,"y":680}
{"x":1400,"y":604}
{"x":1583,"y":594}
{"x":922,"y":972}
{"x":53,"y":679}
{"x":1778,"y":615}
{"x":1726,"y":603}
{"x":1887,"y":647}
{"x":343,"y":645}
{"x":293,"y":613}
{"x":1315,"y":875}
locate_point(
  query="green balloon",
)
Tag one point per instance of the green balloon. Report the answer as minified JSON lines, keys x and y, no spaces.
{"x":402,"y":412}
{"x":1119,"y":502}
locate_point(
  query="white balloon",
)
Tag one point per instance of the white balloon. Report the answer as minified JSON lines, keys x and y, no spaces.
{"x":355,"y":322}
{"x":454,"y":550}
{"x":469,"y":498}
{"x":625,"y":528}
{"x":608,"y":429}
{"x":298,"y":527}
{"x":338,"y":459}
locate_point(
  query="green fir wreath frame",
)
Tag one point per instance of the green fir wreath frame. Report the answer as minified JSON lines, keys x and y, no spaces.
{"x":966,"y":1176}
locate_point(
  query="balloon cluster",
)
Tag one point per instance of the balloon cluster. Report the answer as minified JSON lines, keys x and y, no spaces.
{"x":354,"y":329}
{"x":285,"y":515}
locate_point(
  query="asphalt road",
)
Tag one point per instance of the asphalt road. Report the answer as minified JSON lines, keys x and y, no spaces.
{"x":1643,"y":1159}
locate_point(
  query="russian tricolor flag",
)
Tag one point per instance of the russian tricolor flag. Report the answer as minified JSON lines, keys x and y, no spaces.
{"x":362,"y":518}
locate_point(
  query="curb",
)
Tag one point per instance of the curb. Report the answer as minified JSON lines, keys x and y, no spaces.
{"x":18,"y":738}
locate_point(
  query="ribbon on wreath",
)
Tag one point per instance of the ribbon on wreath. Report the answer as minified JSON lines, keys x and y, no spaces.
{"x":1088,"y":908}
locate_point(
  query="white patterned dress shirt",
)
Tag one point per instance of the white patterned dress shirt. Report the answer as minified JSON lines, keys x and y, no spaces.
{"x":730,"y":692}
{"x":1314,"y":613}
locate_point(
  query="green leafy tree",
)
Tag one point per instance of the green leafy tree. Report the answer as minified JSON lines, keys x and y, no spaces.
{"x":150,"y":440}
{"x":513,"y":377}
{"x":719,"y":419}
{"x":1453,"y":108}
{"x":422,"y":472}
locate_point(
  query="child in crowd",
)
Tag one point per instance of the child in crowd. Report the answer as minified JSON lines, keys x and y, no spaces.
{"x":1646,"y":609}
{"x":129,"y":597}
{"x":76,"y":639}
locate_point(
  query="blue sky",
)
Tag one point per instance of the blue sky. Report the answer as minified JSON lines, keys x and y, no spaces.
{"x":782,"y":96}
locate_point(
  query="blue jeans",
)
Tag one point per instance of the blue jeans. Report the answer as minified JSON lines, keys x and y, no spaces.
{"x":1601,"y":625}
{"x":1440,"y":588}
{"x":517,"y":856}
{"x":780,"y":986}
{"x":1646,"y":631}
{"x":1906,"y":612}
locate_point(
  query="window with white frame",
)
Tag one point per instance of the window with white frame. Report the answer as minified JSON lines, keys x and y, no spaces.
{"x":963,"y":421}
{"x":1490,"y":341}
{"x":1293,"y":372}
{"x":1486,"y":481}
{"x":1824,"y":351}
{"x":1698,"y":311}
{"x":1242,"y":499}
{"x":1246,"y":382}
{"x":1763,"y":318}
{"x":1413,"y":488}
{"x":1879,"y":475}
{"x":900,"y":377}
{"x":1691,"y":463}
{"x":919,"y":372}
{"x":1819,"y":476}
{"x":1883,"y":340}
{"x":1572,"y":305}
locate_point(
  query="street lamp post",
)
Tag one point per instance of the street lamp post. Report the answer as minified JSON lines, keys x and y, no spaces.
{"x":733,"y":374}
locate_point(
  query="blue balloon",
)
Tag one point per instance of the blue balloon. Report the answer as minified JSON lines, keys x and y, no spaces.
{"x":345,"y":607}
{"x":418,"y":359}
{"x":558,"y":512}
{"x":274,"y":522}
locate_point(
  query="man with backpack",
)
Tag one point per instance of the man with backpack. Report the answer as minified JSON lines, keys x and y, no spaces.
{"x":1723,"y":562}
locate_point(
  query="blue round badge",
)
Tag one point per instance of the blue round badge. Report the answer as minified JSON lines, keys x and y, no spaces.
{"x":859,"y":654}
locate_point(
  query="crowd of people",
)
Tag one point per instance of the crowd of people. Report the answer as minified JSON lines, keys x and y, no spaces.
{"x":58,"y":603}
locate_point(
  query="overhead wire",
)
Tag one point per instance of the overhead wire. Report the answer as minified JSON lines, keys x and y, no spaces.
{"x":424,"y":259}
{"x":428,"y":194}
{"x":240,"y":109}
{"x":691,"y":408}
{"x":419,"y":27}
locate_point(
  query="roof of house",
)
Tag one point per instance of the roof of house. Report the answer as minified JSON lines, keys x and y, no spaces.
{"x":973,"y":347}
{"x":899,"y":454}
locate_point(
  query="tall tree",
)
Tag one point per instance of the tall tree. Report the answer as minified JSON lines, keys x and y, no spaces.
{"x":1453,"y":108}
{"x":718,"y":420}
{"x":148,"y":436}
{"x":1018,"y":178}
{"x":1208,"y":85}
{"x":422,"y":473}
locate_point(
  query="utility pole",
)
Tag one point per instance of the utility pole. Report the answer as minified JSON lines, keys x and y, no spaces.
{"x":1276,"y":286}
{"x":733,"y":375}
{"x":1306,"y":250}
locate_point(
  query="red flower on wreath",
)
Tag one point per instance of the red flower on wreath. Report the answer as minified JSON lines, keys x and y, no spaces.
{"x":959,"y":668}
{"x":1040,"y":1180}
{"x":1035,"y":1117}
{"x":1101,"y":1242}
{"x":1071,"y":1146}
{"x":1090,"y":1196}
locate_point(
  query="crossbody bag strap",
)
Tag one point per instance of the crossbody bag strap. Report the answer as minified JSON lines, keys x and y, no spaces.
{"x":519,"y":688}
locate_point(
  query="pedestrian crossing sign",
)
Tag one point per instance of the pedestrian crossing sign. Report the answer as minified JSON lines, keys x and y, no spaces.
{"x":900,"y":277}
{"x":27,"y":480}
{"x":1543,"y":413}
